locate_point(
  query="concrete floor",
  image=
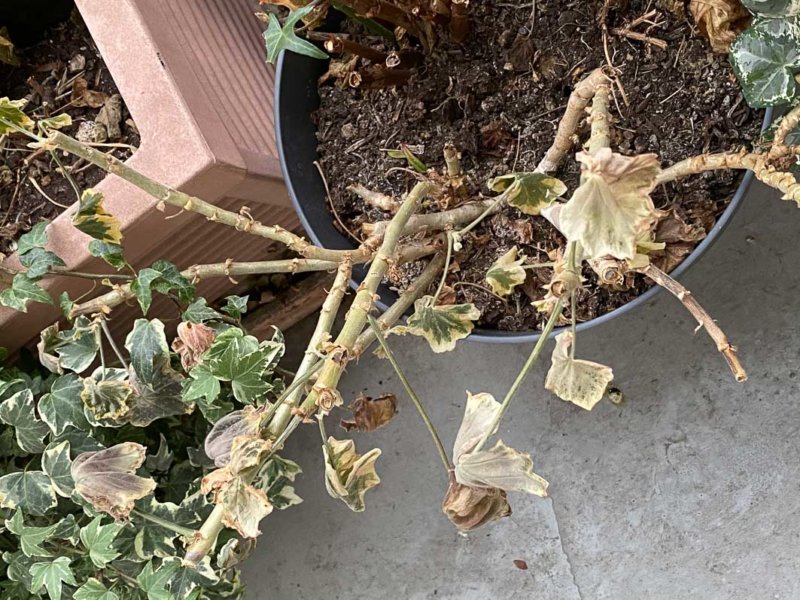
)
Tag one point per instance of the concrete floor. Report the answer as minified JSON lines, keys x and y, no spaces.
{"x":690,"y":489}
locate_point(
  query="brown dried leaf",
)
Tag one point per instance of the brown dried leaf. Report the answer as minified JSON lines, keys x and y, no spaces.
{"x":192,"y":342}
{"x":720,"y":21}
{"x":106,"y":478}
{"x":370,"y":414}
{"x":82,"y":96}
{"x":470,"y":507}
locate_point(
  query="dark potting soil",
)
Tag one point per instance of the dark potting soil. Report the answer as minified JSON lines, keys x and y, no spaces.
{"x":499,"y":98}
{"x":61,"y":74}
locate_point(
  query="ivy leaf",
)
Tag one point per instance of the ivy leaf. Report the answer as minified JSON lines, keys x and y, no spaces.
{"x":528,"y":192}
{"x":23,"y":290}
{"x":279,"y":38}
{"x":19,"y":569}
{"x":57,"y":122}
{"x":765,"y":58}
{"x":30,"y":538}
{"x":51,"y":576}
{"x":163,"y":459}
{"x":108,"y":400}
{"x":159,"y":398}
{"x":276,"y":478}
{"x":92,"y":219}
{"x":39,"y":262}
{"x":581,"y":382}
{"x":35,"y":238}
{"x":349,"y":475}
{"x":202,"y":387}
{"x":141,"y":286}
{"x":94,"y":590}
{"x":18,"y":411}
{"x":500,"y":467}
{"x":192,"y":342}
{"x":219,"y":441}
{"x":441,"y":325}
{"x":147,"y":345}
{"x":79,"y":346}
{"x":79,"y":441}
{"x":163,"y":277}
{"x":235,"y":306}
{"x":106,"y":478}
{"x":187,"y":579}
{"x":773,"y":8}
{"x":612,"y":206}
{"x":97,"y":539}
{"x":506,"y":273}
{"x":111,"y":253}
{"x":30,"y":491}
{"x":62,"y":407}
{"x":153,"y":539}
{"x":199,"y":312}
{"x":154,"y":581}
{"x":57,"y":464}
{"x":11,"y":111}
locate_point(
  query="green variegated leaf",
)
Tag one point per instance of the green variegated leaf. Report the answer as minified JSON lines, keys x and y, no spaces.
{"x":107,"y":479}
{"x":153,"y":581}
{"x":23,"y":290}
{"x":153,"y":539}
{"x":111,"y":253}
{"x":773,"y":8}
{"x":158,"y":399}
{"x":279,"y":38}
{"x":235,"y":306}
{"x":19,"y":569}
{"x":97,"y":539}
{"x":203,"y":387}
{"x":11,"y":113}
{"x":163,"y":459}
{"x":35,"y":238}
{"x":62,"y":407}
{"x":67,"y":529}
{"x":188,"y":579}
{"x":147,"y":346}
{"x":39,"y":262}
{"x":765,"y":58}
{"x":79,"y":345}
{"x":57,"y":464}
{"x":506,"y":273}
{"x":199,"y":312}
{"x":348,"y":475}
{"x":79,"y":441}
{"x":163,"y":277}
{"x":30,"y":491}
{"x":18,"y":411}
{"x":441,"y":325}
{"x":612,"y":206}
{"x":529,"y":192}
{"x":276,"y":478}
{"x":92,"y":219}
{"x":581,"y":382}
{"x":52,"y":576}
{"x":56,"y":122}
{"x":30,"y":538}
{"x":94,"y":590}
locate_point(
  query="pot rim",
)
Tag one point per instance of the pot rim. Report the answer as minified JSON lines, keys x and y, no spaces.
{"x":514,"y":337}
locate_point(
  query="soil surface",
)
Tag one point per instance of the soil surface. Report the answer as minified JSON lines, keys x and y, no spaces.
{"x":499,"y":98}
{"x":62,"y":74}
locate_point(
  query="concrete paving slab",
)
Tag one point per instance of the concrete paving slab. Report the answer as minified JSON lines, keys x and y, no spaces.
{"x":690,"y":489}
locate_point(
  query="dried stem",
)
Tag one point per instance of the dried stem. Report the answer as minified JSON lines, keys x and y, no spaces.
{"x":452,"y":159}
{"x":703,"y":318}
{"x":599,"y":118}
{"x":578,"y":101}
{"x":375,"y":199}
{"x":436,"y":221}
{"x":336,"y":44}
{"x":788,"y":122}
{"x":639,"y":37}
{"x":196,"y":273}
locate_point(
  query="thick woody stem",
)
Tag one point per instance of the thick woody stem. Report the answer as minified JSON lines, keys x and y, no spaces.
{"x":376,"y":199}
{"x":788,"y":122}
{"x":599,"y":118}
{"x":436,"y":221}
{"x":196,"y":273}
{"x":757,"y":163}
{"x":452,"y":159}
{"x":327,"y":316}
{"x":702,"y":317}
{"x":578,"y":101}
{"x":167,"y":195}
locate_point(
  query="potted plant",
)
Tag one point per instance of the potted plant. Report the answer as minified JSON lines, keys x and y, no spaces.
{"x":134,"y":530}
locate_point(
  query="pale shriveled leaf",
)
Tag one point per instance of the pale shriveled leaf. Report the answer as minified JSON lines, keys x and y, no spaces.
{"x":52,"y":576}
{"x":612,"y":206}
{"x":719,"y":20}
{"x":276,"y":478}
{"x":106,"y":478}
{"x":506,"y":273}
{"x":469,"y":508}
{"x":479,"y":414}
{"x":443,"y":325}
{"x":245,"y":506}
{"x":192,"y":342}
{"x":529,"y":192}
{"x":107,"y":401}
{"x":8,"y":53}
{"x":219,"y":441}
{"x":369,"y":413}
{"x":581,"y":382}
{"x":279,"y":38}
{"x":18,"y":411}
{"x":348,"y":475}
{"x":92,"y":219}
{"x":30,"y":491}
{"x":48,"y":339}
{"x":500,"y":467}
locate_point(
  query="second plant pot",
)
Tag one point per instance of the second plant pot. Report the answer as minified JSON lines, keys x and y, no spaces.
{"x":296,"y":99}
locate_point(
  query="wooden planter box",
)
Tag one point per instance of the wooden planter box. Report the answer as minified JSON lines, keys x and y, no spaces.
{"x":194,"y":77}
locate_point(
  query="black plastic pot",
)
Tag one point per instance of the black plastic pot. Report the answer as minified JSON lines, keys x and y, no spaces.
{"x":296,"y":98}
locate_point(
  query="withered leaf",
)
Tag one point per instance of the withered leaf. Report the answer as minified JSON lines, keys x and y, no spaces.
{"x":106,"y":478}
{"x":469,"y":508}
{"x":158,"y":398}
{"x":441,"y":325}
{"x":192,"y":342}
{"x":369,"y":413}
{"x":82,"y":96}
{"x":612,"y":207}
{"x":219,"y":441}
{"x":349,"y":475}
{"x":581,"y":382}
{"x":720,"y":21}
{"x":506,"y":273}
